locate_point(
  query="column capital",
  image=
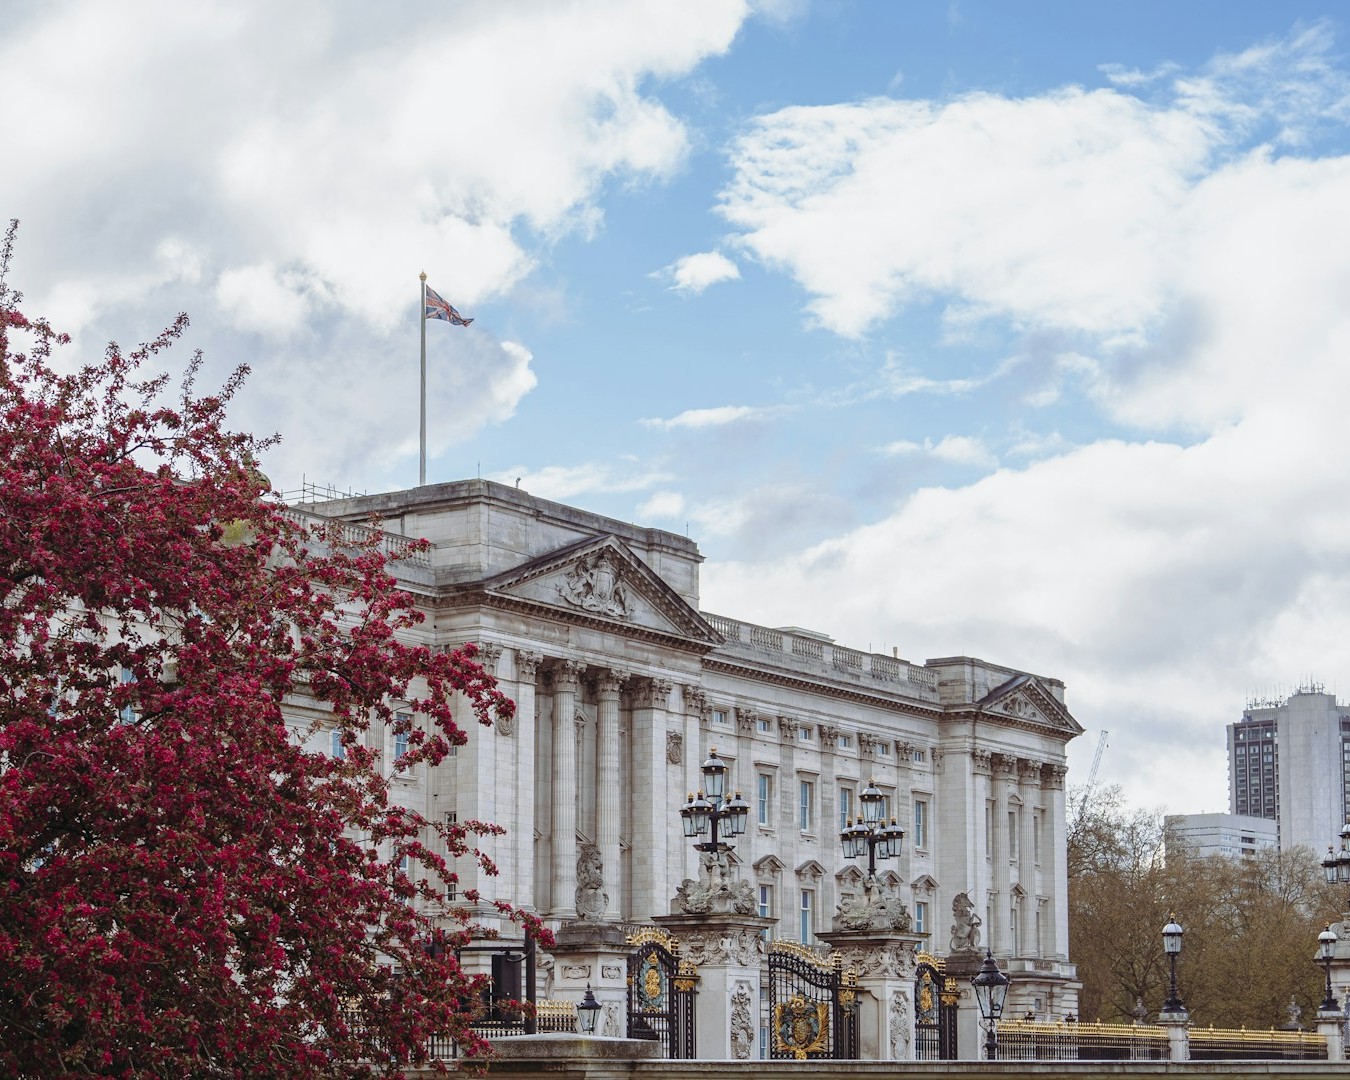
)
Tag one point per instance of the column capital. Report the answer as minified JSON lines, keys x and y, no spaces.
{"x":1052,"y":776}
{"x":608,"y":681}
{"x":983,"y":760}
{"x":1028,"y":771}
{"x":527,"y":663}
{"x":565,"y":674}
{"x":787,"y":728}
{"x":489,"y":652}
{"x":650,"y":692}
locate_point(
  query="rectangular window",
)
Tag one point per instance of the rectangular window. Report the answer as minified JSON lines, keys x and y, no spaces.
{"x":763,"y":789}
{"x":763,"y":725}
{"x":805,"y":796}
{"x":920,"y":916}
{"x":127,"y":713}
{"x":845,"y":807}
{"x":918,"y":755}
{"x":1036,"y":820}
{"x":1012,"y":834}
{"x":804,"y":927}
{"x":336,"y":749}
{"x":400,"y":746}
{"x":883,"y":749}
{"x":920,"y":823}
{"x":805,"y":733}
{"x":719,"y":716}
{"x":766,"y":901}
{"x":845,"y":742}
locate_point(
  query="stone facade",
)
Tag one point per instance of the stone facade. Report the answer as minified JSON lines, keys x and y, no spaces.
{"x":623,"y":686}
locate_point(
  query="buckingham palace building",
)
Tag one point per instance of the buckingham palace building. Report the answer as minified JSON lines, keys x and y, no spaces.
{"x":624,"y":685}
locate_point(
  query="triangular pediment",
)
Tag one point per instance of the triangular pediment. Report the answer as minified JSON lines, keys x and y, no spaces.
{"x":1026,"y":702}
{"x":600,"y":579}
{"x":850,"y":877}
{"x":811,"y":869}
{"x":769,"y":864}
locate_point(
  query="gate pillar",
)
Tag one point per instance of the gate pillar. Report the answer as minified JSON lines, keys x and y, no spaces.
{"x":884,"y":961}
{"x":962,"y":966}
{"x":727,"y":948}
{"x":594,"y":954}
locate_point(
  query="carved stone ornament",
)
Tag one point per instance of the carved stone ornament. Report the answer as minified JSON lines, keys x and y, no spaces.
{"x":901,"y":1027}
{"x":611,"y":1020}
{"x":717,"y":890}
{"x":489,"y":652}
{"x":890,"y":961}
{"x":742,"y":1028}
{"x":867,"y":743}
{"x":965,"y":925}
{"x":1028,"y":772}
{"x":829,"y":737}
{"x":700,"y":947}
{"x":787,"y":728}
{"x":527,"y":664}
{"x":506,"y":725}
{"x":591,"y":895}
{"x":1021,"y":707}
{"x":981,"y":759}
{"x":746,"y":720}
{"x":649,"y":693}
{"x":612,"y":971}
{"x":1052,"y":776}
{"x":576,"y":971}
{"x":875,"y":908}
{"x":596,"y":584}
{"x":674,"y":747}
{"x":566,"y":675}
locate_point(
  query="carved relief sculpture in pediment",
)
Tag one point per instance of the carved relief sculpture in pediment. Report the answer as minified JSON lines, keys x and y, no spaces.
{"x":596,"y":584}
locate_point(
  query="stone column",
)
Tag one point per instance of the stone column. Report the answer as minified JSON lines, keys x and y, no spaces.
{"x":1178,"y":1037}
{"x":565,"y":674}
{"x":655,"y":802}
{"x":1029,"y":782}
{"x":1000,"y":841}
{"x":607,"y":783}
{"x":1054,"y":873}
{"x":527,"y":666}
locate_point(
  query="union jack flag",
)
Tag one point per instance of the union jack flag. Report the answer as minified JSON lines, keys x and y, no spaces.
{"x":440,"y":308}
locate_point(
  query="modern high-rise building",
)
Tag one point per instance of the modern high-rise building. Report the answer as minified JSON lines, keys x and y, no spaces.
{"x":1289,"y":761}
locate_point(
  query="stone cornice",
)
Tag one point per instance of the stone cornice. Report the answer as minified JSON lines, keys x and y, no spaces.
{"x":825,"y":689}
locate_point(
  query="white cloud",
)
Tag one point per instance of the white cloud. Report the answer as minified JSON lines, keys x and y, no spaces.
{"x":952,"y":449}
{"x":662,"y":504}
{"x":563,"y":482}
{"x":694,"y":273}
{"x":718,"y":416}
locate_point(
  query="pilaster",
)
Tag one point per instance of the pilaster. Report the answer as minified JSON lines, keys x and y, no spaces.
{"x":564,"y":675}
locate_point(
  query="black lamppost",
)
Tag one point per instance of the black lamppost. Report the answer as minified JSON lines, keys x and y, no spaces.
{"x":991,"y":991}
{"x":1171,"y":934}
{"x":1326,"y":952}
{"x":1336,"y":865}
{"x":711,"y":807}
{"x":870,"y":833}
{"x":588,"y":1012}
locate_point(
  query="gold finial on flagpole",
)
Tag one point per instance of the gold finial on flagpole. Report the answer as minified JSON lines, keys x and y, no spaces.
{"x":423,"y":276}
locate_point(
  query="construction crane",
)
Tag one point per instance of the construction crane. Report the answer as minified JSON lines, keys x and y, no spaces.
{"x":1097,"y":761}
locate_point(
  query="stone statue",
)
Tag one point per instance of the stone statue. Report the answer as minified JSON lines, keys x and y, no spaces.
{"x":591,"y":895}
{"x":742,"y":1030}
{"x":965,"y":925}
{"x":874,"y":908}
{"x":716,"y":890}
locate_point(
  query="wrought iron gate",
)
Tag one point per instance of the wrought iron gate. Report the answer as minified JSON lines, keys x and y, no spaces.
{"x":934,"y":1012}
{"x":661,"y":993}
{"x":813,"y":1005}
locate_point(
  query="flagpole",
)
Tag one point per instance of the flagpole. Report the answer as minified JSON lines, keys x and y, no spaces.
{"x":422,"y":400}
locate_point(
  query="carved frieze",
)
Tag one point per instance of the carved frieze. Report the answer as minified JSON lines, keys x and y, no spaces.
{"x":597,"y":584}
{"x":742,"y":1026}
{"x":714,"y":946}
{"x":892,"y":961}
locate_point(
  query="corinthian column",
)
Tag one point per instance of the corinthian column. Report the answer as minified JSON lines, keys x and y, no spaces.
{"x":607,"y":781}
{"x":565,"y":676}
{"x":523,"y":784}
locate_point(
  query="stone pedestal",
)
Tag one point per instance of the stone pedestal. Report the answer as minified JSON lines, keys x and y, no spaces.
{"x":885,"y":965}
{"x":727,"y":948}
{"x":1178,"y":1034}
{"x":961,"y":967}
{"x":594,"y":954}
{"x":1329,"y":1027}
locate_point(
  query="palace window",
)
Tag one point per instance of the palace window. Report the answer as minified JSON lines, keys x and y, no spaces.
{"x":763,"y":794}
{"x":920,"y":823}
{"x":804,"y":927}
{"x":806,"y":792}
{"x":845,"y":807}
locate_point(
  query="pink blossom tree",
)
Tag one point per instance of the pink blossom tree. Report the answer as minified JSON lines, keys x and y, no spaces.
{"x":185,"y":890}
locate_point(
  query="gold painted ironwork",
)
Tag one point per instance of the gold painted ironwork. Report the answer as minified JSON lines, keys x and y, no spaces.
{"x":686,"y":977}
{"x":811,"y":956}
{"x":654,"y":935}
{"x":936,"y":963}
{"x":801,"y":1027}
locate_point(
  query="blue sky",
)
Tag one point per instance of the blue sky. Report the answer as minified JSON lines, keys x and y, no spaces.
{"x":1007,"y":329}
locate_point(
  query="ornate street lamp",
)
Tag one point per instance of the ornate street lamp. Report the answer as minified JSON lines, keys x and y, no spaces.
{"x":588,"y":1012}
{"x":870,"y":833}
{"x":991,"y":991}
{"x":711,"y":811}
{"x":1326,"y":952}
{"x":1171,"y":934}
{"x":1336,"y":865}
